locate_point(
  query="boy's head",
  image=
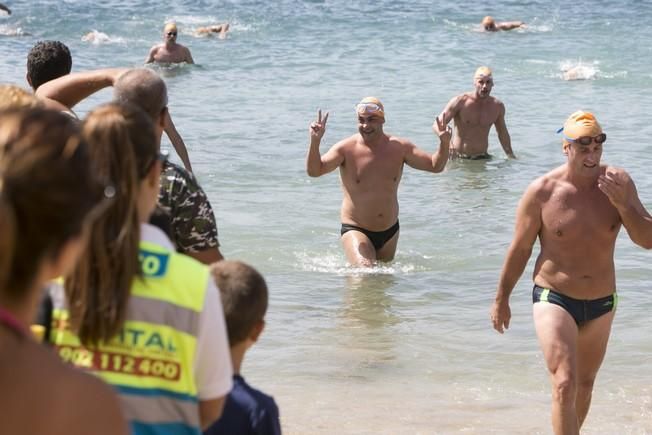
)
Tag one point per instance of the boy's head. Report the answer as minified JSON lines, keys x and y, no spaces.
{"x":46,"y":61}
{"x":244,"y":299}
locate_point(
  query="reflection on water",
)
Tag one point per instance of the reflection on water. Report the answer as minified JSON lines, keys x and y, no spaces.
{"x":366,"y":318}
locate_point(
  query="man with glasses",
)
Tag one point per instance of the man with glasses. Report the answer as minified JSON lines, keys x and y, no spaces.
{"x":474,"y":113}
{"x":576,"y":212}
{"x":169,"y":51}
{"x":371,"y":164}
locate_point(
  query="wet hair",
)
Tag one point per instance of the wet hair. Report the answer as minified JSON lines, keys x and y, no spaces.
{"x":46,"y":61}
{"x":123,"y":149}
{"x":143,"y":88}
{"x":47,"y":190}
{"x":244,"y":297}
{"x":14,"y":97}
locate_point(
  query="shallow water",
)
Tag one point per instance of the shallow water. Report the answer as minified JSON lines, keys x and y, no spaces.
{"x":407,"y":347}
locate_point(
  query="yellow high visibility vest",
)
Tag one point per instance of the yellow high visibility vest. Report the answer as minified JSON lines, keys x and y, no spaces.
{"x":151,"y":361}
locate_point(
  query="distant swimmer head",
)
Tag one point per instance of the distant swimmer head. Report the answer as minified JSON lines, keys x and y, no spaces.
{"x":489,"y":24}
{"x":582,"y":128}
{"x":170,"y":30}
{"x":370,"y":106}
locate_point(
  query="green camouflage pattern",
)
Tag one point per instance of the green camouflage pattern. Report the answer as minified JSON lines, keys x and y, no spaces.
{"x":192,"y":222}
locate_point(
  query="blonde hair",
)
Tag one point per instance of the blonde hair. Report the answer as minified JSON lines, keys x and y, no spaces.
{"x":14,"y":97}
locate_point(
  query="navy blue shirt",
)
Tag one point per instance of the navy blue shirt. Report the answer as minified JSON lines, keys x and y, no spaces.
{"x":247,"y":411}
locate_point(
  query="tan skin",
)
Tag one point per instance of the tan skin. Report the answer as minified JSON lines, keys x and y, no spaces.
{"x":576,"y":212}
{"x":371,"y":165}
{"x":474,"y":113}
{"x":219,"y":30}
{"x":40,"y":394}
{"x":169,"y":51}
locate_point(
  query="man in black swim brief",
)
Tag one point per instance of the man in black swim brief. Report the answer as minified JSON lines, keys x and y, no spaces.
{"x":371,"y":165}
{"x":582,"y":310}
{"x":377,"y":238}
{"x":576,"y":212}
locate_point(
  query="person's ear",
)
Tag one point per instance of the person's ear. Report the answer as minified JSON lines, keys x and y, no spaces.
{"x":564,"y":147}
{"x":29,"y":80}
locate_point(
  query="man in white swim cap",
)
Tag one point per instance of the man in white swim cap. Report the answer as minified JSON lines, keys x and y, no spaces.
{"x":371,"y":164}
{"x":473,"y":114}
{"x":576,"y":212}
{"x":169,"y":51}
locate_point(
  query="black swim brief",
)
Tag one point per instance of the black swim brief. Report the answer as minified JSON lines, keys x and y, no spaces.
{"x":377,"y":238}
{"x":581,"y":310}
{"x":483,"y":156}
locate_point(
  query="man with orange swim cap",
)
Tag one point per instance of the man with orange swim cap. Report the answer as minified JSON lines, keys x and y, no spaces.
{"x":371,"y":164}
{"x":473,"y":114}
{"x":576,"y":212}
{"x":169,"y":51}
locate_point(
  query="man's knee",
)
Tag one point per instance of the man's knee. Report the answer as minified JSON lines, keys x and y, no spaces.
{"x":585,"y":386}
{"x":564,"y":387}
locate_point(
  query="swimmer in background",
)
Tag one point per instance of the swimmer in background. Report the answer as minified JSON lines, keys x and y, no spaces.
{"x":490,"y":25}
{"x":219,"y":29}
{"x":473,"y":114}
{"x":5,"y":8}
{"x":96,"y":37}
{"x":169,"y":51}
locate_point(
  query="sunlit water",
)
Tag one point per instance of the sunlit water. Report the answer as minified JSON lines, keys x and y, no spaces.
{"x":406,"y":347}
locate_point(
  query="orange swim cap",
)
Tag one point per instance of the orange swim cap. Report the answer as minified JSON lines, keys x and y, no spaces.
{"x":371,"y":105}
{"x":579,"y":124}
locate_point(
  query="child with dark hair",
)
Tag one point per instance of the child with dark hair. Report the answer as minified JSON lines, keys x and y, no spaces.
{"x":244,"y":298}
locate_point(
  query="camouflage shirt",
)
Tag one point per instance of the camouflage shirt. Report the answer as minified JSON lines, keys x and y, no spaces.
{"x":192,"y":223}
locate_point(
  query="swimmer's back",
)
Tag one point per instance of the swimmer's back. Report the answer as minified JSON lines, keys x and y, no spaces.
{"x":40,"y":395}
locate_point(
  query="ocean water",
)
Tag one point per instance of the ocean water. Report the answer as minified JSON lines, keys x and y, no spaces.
{"x":406,"y":348}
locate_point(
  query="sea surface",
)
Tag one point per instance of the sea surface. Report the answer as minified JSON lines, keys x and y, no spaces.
{"x":406,"y":348}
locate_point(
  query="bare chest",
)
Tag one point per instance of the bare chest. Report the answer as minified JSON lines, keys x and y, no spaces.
{"x":475,"y":114}
{"x":580,"y":216}
{"x":364,"y":166}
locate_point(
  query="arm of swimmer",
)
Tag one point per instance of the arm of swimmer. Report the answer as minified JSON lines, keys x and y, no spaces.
{"x":527,"y":227}
{"x":210,"y":411}
{"x":509,"y":25}
{"x":177,"y":141}
{"x":419,"y":159}
{"x":503,"y":134}
{"x":207,"y":256}
{"x":72,"y":88}
{"x":318,"y":165}
{"x":621,"y":191}
{"x":189,"y":58}
{"x":448,"y":113}
{"x":150,"y":56}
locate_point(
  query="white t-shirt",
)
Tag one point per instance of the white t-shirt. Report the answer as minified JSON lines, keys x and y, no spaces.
{"x":213,"y":371}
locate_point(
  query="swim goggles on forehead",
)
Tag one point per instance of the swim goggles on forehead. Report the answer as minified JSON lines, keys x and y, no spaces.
{"x":368,"y":108}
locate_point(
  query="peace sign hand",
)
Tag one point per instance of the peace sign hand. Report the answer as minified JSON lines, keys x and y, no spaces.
{"x":318,"y":127}
{"x":442,"y":130}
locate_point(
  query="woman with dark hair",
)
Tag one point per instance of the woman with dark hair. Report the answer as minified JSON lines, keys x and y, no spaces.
{"x":147,"y":320}
{"x":48,"y":196}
